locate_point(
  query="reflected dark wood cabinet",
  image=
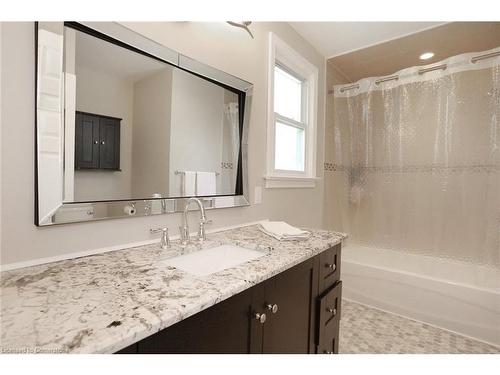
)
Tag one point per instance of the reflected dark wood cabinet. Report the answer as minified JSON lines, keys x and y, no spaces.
{"x":295,"y":312}
{"x":97,"y":142}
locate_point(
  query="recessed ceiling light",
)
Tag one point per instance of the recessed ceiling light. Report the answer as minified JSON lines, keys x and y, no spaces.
{"x":426,"y":56}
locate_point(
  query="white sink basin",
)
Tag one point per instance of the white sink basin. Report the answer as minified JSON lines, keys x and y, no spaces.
{"x":215,"y":259}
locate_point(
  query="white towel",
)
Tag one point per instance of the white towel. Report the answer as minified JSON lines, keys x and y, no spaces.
{"x":205,"y":183}
{"x":188,"y":184}
{"x":283,"y":231}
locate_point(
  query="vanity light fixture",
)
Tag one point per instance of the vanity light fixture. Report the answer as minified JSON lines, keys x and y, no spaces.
{"x":243,"y":24}
{"x":426,"y":55}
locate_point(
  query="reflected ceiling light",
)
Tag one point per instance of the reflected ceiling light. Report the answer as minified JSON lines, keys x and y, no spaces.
{"x":426,"y":55}
{"x":244,"y":25}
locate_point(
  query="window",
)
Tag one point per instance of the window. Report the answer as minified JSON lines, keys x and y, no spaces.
{"x":290,"y":123}
{"x":292,"y":107}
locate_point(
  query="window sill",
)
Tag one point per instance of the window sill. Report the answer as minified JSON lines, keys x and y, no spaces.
{"x":286,"y":182}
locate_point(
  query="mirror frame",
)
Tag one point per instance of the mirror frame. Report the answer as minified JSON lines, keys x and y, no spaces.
{"x":126,"y":38}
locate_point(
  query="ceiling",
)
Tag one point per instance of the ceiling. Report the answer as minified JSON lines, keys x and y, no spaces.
{"x":447,"y":40}
{"x":105,"y":57}
{"x":336,"y":38}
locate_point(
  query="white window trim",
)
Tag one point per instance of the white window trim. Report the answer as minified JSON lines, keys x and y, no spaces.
{"x":280,"y":52}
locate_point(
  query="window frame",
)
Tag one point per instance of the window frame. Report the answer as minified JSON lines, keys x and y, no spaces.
{"x":287,"y":59}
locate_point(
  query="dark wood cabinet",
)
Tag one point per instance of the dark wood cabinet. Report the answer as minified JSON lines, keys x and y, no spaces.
{"x":290,"y":328}
{"x":226,"y":327}
{"x":97,"y":142}
{"x":302,"y":315}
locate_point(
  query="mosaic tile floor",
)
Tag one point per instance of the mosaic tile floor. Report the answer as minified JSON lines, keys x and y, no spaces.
{"x":365,"y":330}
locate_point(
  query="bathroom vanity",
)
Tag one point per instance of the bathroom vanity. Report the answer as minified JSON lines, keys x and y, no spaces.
{"x":296,"y":311}
{"x":132,"y":301}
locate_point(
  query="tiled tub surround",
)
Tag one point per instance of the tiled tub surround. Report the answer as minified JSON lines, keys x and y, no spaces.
{"x":103,"y":303}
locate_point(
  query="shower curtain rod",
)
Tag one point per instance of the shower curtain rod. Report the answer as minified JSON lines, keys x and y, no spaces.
{"x":430,"y":69}
{"x":485,"y":56}
{"x":421,"y":71}
{"x":385,"y":79}
{"x":355,"y":86}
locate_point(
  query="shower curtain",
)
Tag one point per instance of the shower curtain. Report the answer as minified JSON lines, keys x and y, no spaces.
{"x":415,"y":160}
{"x":230,"y":148}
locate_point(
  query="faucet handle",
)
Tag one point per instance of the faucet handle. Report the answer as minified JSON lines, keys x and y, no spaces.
{"x":165,"y":239}
{"x":158,"y":230}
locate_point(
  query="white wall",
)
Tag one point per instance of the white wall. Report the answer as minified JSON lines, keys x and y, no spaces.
{"x":103,"y":94}
{"x":195,"y":128}
{"x":217,"y":44}
{"x":151,"y":133}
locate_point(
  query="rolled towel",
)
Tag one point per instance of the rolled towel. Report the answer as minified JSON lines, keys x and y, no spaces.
{"x":283,"y":231}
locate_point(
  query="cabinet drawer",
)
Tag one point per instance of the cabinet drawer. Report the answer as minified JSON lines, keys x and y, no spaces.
{"x":329,"y":268}
{"x":329,"y":309}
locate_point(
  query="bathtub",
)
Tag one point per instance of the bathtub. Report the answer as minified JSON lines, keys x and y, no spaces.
{"x":456,"y":296}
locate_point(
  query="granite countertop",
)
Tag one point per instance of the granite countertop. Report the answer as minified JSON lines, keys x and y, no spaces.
{"x":103,"y":303}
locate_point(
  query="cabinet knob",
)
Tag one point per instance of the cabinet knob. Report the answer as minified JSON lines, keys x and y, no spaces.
{"x":327,"y":352}
{"x":102,"y":142}
{"x":332,"y":311}
{"x":260,"y":317}
{"x":96,"y":142}
{"x":273,"y":308}
{"x":333,"y":267}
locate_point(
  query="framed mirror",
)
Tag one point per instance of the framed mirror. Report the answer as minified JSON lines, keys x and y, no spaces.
{"x":126,"y":127}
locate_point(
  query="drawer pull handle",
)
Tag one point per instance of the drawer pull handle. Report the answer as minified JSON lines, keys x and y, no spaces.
{"x":332,"y":311}
{"x":333,"y":267}
{"x":273,"y":308}
{"x":260,"y":317}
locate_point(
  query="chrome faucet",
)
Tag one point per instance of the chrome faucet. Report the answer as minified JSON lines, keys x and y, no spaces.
{"x":165,"y":240}
{"x":185,"y":227}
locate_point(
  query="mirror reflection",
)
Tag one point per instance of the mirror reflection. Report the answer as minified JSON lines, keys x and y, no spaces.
{"x":137,"y":128}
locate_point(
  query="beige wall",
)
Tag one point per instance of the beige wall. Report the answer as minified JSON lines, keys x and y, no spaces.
{"x":216,"y":44}
{"x":151,"y":130}
{"x":195,"y":128}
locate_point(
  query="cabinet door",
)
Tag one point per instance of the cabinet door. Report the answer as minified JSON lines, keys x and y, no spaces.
{"x":291,"y":328}
{"x":109,"y":152}
{"x":86,"y":141}
{"x":227,"y":327}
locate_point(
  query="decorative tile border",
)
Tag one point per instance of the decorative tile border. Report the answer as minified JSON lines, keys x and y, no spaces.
{"x":487,"y":168}
{"x":331,"y":167}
